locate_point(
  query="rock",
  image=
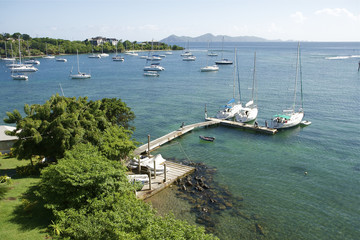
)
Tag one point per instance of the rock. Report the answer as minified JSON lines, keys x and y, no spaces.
{"x":183,"y":187}
{"x":259,"y":229}
{"x":189,"y":183}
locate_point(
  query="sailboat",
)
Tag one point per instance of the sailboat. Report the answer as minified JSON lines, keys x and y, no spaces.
{"x":102,"y":54}
{"x":61,"y":59}
{"x":250,"y":111}
{"x":208,"y":68}
{"x":6,"y":57}
{"x":22,"y":67}
{"x":289,"y":117}
{"x":117,"y":57}
{"x":31,"y":60}
{"x":93,"y":55}
{"x":223,"y":61}
{"x":232,"y":107}
{"x":79,"y":75}
{"x":48,"y":56}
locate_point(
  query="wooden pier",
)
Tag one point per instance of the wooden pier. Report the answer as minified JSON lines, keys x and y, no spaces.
{"x":175,"y":171}
{"x":209,"y":122}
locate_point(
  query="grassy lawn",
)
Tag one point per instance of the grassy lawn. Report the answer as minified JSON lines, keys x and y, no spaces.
{"x":17,"y":221}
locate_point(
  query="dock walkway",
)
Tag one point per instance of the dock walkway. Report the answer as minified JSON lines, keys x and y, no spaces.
{"x":176,"y":171}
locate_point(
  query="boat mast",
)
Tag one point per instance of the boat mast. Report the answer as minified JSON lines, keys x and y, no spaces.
{"x":296,"y":77}
{"x":301,"y":89}
{"x":254,"y":78}
{"x":19,"y":51}
{"x":234,"y":74}
{"x":77,"y":56}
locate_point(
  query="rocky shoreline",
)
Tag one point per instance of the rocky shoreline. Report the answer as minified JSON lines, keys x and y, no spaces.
{"x":209,"y":200}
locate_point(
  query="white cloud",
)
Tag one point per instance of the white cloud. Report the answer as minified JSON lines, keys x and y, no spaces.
{"x":338,"y":12}
{"x":298,"y":17}
{"x":273,"y":28}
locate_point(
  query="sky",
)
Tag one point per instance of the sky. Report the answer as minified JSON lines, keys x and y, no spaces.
{"x":144,"y":20}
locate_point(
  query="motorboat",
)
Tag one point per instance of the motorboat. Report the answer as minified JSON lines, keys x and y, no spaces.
{"x":168,"y":53}
{"x":154,"y":58}
{"x":210,"y":68}
{"x":187,"y":53}
{"x":24,"y":68}
{"x":103,"y":55}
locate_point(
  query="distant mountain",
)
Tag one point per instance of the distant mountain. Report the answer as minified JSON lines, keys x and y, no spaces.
{"x":210,"y":37}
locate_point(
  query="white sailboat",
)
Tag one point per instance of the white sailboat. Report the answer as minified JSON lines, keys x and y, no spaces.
{"x":208,"y":68}
{"x":79,"y":75}
{"x":102,"y":54}
{"x":250,"y":111}
{"x":22,"y":67}
{"x":61,"y":59}
{"x":223,"y":61}
{"x":6,"y":57}
{"x":232,"y":107}
{"x":93,"y":55}
{"x":289,"y":117}
{"x":117,"y":58}
{"x":48,"y":56}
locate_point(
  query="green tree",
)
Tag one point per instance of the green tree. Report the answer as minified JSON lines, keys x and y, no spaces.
{"x":61,"y":123}
{"x":91,"y":198}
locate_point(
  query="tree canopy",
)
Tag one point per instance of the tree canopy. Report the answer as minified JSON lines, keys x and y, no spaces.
{"x":62,"y":122}
{"x":37,"y":46}
{"x":91,"y":198}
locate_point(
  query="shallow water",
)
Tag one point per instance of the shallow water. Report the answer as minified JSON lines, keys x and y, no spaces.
{"x":267,"y":171}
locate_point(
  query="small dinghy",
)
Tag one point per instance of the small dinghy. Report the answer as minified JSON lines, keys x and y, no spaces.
{"x":210,"y":139}
{"x":305,"y":123}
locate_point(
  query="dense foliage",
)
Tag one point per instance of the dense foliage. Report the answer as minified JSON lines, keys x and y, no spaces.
{"x":92,"y":199}
{"x":37,"y":46}
{"x":52,"y":128}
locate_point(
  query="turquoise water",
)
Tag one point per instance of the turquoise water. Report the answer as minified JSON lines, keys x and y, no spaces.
{"x":267,"y":171}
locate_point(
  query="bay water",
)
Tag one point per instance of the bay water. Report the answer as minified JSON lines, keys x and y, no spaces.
{"x":266,"y":171}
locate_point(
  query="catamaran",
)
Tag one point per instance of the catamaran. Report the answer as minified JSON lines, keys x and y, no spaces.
{"x":250,"y":111}
{"x":289,"y":117}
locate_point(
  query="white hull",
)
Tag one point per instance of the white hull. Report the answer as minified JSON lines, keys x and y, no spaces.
{"x":80,"y":76}
{"x":94,"y":56}
{"x":104,"y":55}
{"x":223,"y":62}
{"x":227,"y":113}
{"x":189,"y":58}
{"x":20,"y":77}
{"x":61,"y":60}
{"x":32,"y":61}
{"x":247,"y":114}
{"x":154,"y":68}
{"x":294,"y":120}
{"x":151,"y":74}
{"x":49,"y":57}
{"x":210,"y":68}
{"x":24,"y":69}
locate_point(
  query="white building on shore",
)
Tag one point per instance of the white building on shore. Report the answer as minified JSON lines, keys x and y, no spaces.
{"x":6,"y":141}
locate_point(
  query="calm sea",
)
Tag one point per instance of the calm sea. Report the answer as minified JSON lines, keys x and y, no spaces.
{"x":266,"y":171}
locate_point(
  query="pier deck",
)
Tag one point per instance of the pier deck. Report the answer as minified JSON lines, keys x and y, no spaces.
{"x":176,"y":171}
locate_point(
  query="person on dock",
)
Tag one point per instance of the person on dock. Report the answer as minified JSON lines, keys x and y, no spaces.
{"x":359,"y":67}
{"x":182,"y":125}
